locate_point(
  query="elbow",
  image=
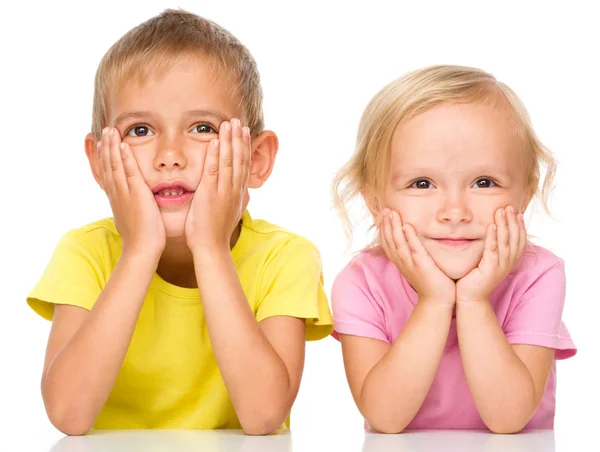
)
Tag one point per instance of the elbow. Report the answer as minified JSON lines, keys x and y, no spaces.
{"x":508,"y":425}
{"x":504,"y":428}
{"x":70,"y":425}
{"x":68,"y":420}
{"x":263,"y":423}
{"x":387,"y":426}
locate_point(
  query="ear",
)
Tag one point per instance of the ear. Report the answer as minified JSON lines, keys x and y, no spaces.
{"x":91,"y":151}
{"x":264,"y":151}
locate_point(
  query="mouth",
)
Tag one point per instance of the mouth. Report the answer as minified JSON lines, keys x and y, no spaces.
{"x":455,"y":242}
{"x":172,"y":194}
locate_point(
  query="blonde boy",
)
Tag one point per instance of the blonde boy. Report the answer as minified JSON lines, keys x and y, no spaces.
{"x":181,"y":311}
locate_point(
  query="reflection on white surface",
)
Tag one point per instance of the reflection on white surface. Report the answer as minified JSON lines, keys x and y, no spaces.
{"x":174,"y":441}
{"x":233,"y":441}
{"x":460,"y":441}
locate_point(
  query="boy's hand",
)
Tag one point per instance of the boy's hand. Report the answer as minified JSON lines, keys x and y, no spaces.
{"x":219,"y":200}
{"x":135,"y":211}
{"x":504,"y":244}
{"x":405,"y":250}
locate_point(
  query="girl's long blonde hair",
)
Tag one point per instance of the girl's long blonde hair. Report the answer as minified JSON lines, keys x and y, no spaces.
{"x":366,"y":172}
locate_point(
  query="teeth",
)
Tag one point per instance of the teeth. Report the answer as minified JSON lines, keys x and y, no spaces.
{"x":171,"y":192}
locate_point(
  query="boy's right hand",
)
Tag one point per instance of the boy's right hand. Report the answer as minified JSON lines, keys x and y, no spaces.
{"x":136,"y":214}
{"x":405,"y":250}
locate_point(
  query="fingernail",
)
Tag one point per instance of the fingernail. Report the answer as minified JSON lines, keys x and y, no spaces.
{"x":105,"y":131}
{"x":236,"y":122}
{"x":110,"y":132}
{"x":215,"y":142}
{"x":227,"y":126}
{"x":246,"y":131}
{"x":99,"y":144}
{"x":122,"y":145}
{"x":502,"y":212}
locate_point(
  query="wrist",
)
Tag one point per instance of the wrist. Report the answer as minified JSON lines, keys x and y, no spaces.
{"x":436,"y":303}
{"x":210,"y":254}
{"x":473,"y":301}
{"x":141,"y":259}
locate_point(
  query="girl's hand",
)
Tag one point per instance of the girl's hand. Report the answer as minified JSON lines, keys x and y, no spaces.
{"x":505,"y":242}
{"x":136,"y":214}
{"x":405,"y":250}
{"x":219,"y":200}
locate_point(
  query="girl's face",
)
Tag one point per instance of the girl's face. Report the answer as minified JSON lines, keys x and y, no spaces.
{"x":451,"y":168}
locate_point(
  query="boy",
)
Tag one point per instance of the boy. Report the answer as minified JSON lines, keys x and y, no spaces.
{"x":182,"y":311}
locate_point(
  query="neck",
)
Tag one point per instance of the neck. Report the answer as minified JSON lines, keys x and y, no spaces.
{"x":176,"y":264}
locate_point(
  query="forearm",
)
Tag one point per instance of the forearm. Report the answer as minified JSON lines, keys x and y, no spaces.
{"x":81,"y":376}
{"x":256,"y":378}
{"x":501,"y":385}
{"x":396,"y":387}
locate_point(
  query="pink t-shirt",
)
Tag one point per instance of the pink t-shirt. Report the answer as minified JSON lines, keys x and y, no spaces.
{"x":370,"y":298}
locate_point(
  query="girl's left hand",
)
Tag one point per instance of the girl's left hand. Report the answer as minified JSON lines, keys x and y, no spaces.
{"x":505,"y":242}
{"x":220,"y":199}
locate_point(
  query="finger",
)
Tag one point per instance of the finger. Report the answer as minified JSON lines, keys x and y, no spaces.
{"x":225,"y":156}
{"x":116,"y":163}
{"x":420,"y":255}
{"x":105,"y":156}
{"x":490,"y":250}
{"x":242,"y":160}
{"x":100,"y":165}
{"x":522,"y":233}
{"x":210,"y":176}
{"x":131,"y":168}
{"x":503,"y":238}
{"x":386,"y":234}
{"x":514,"y":235}
{"x":401,"y":244}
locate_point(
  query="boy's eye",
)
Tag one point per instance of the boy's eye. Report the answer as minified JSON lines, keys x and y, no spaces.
{"x":422,"y":184}
{"x":139,"y":131}
{"x":484,"y":183}
{"x":203,"y":128}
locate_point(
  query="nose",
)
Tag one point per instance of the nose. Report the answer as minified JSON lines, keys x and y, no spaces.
{"x":170,"y":155}
{"x":454,"y":210}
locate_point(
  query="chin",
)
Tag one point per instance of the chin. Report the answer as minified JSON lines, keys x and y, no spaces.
{"x":174,"y":223}
{"x":456,"y":265}
{"x":456,"y":272}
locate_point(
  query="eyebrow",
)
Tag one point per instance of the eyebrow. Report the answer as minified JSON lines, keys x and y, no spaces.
{"x":216,"y":114}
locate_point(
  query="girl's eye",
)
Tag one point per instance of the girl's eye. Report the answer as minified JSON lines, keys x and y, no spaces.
{"x":422,"y":184}
{"x":139,"y":131}
{"x":484,"y":183}
{"x":203,"y":128}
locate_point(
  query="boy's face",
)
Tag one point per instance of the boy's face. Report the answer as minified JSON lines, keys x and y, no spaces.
{"x":451,"y":168}
{"x":169,"y":121}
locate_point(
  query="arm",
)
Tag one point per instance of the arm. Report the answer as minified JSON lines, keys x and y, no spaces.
{"x":507,"y":382}
{"x":508,"y":388}
{"x":261,"y":364}
{"x":390,"y":383}
{"x":86,"y":349}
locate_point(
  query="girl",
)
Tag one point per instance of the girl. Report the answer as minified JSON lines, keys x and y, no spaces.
{"x":451,"y":318}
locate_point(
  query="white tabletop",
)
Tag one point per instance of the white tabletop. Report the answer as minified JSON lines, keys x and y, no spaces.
{"x":232,"y":441}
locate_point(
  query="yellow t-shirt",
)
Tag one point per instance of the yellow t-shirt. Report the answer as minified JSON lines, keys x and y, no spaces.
{"x":170,"y":378}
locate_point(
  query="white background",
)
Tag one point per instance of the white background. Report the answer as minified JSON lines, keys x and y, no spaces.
{"x":320,"y":64}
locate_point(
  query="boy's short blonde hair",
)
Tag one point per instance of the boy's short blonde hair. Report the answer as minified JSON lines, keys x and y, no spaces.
{"x":152,"y":47}
{"x":366,"y":173}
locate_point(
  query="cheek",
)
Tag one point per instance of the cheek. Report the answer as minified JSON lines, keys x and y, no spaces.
{"x":484,"y":208}
{"x":416,"y":211}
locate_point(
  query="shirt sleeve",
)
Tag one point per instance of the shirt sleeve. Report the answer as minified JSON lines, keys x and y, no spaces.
{"x":292,"y":285}
{"x":537,"y":319}
{"x":73,"y":276}
{"x":355,"y":310}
